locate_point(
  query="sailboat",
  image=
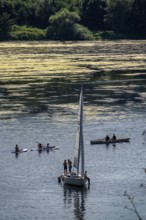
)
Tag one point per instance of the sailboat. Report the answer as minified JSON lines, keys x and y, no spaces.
{"x":78,"y":177}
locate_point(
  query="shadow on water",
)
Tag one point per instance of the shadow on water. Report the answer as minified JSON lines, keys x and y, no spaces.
{"x":77,"y":197}
{"x":52,"y":96}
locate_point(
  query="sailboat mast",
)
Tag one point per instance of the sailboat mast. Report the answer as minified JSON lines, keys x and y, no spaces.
{"x":81,"y":133}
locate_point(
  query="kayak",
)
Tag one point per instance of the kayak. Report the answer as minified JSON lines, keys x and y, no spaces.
{"x":46,"y":149}
{"x":103,"y":141}
{"x":20,"y":151}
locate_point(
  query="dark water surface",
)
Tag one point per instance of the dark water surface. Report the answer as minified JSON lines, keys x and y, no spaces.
{"x":39,"y":92}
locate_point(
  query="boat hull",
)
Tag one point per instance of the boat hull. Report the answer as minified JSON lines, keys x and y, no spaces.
{"x":74,"y":179}
{"x":103,"y":141}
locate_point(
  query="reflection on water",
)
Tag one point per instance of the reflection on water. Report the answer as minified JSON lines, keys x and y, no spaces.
{"x":76,"y":196}
{"x":16,"y":155}
{"x":53,"y":99}
{"x":36,"y":79}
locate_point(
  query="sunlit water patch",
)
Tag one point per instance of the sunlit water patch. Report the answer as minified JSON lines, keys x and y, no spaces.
{"x":36,"y":82}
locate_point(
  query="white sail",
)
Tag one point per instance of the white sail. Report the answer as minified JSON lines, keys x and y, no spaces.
{"x":78,"y":178}
{"x":79,"y":144}
{"x":77,"y":150}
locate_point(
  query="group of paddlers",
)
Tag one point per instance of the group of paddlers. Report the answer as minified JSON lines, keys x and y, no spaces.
{"x":47,"y":147}
{"x":107,"y":138}
{"x":40,"y":147}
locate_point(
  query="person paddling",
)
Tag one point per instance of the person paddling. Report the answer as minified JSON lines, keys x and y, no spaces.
{"x":107,"y":138}
{"x":40,"y":147}
{"x":47,"y":147}
{"x":114,"y":137}
{"x":17,"y":148}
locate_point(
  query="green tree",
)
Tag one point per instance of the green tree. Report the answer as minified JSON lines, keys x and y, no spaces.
{"x":118,"y":16}
{"x":138,"y":17}
{"x":44,"y":10}
{"x":92,"y":14}
{"x":5,"y":26}
{"x":7,"y":6}
{"x":21,"y":16}
{"x":62,"y":25}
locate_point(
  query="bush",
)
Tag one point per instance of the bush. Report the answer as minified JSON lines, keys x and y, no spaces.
{"x":109,"y":35}
{"x":27,"y":33}
{"x":73,"y":32}
{"x":82,"y":33}
{"x":64,"y":26}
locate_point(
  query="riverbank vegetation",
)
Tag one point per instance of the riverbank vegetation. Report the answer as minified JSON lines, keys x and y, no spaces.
{"x":72,"y":19}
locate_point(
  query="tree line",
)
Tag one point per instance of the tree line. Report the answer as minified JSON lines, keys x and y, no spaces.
{"x":71,"y":19}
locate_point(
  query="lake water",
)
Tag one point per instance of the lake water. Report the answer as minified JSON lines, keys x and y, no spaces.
{"x":39,"y":92}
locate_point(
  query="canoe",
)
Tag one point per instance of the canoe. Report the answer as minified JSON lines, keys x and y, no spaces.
{"x":103,"y":141}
